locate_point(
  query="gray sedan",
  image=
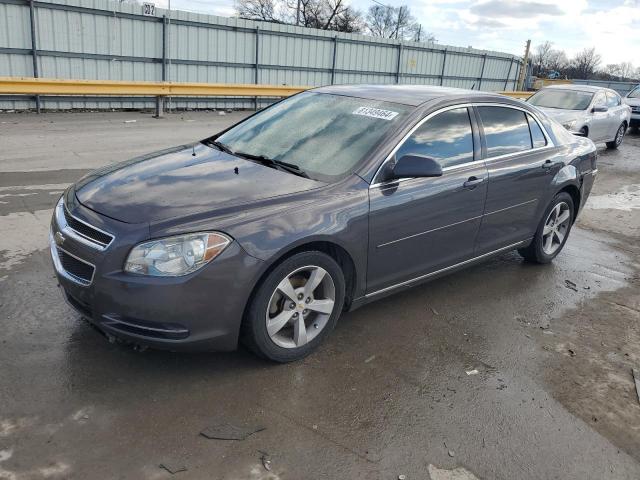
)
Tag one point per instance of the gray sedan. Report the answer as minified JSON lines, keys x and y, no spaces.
{"x":330,"y":199}
{"x":593,"y":112}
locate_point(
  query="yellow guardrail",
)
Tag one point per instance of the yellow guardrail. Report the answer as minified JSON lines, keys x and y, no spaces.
{"x":53,"y":86}
{"x":521,"y":95}
{"x":50,"y":86}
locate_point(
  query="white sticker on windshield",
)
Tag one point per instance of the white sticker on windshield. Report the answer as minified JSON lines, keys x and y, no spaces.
{"x":375,"y":113}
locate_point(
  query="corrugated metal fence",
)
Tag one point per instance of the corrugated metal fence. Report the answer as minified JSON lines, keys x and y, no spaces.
{"x":105,"y":40}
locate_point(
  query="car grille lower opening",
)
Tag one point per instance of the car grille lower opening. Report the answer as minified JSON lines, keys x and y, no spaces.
{"x":79,"y":270}
{"x":87,"y":231}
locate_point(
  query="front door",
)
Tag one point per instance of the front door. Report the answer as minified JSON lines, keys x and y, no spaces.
{"x":420,"y":225}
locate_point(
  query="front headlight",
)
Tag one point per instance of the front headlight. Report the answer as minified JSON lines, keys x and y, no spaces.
{"x":569,"y":125}
{"x":175,"y":256}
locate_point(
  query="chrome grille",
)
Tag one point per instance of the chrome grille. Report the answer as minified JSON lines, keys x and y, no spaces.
{"x":69,"y":266}
{"x":80,"y":230}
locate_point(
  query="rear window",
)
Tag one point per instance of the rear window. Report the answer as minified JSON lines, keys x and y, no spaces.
{"x":562,"y":99}
{"x":537,"y":137}
{"x":506,"y":130}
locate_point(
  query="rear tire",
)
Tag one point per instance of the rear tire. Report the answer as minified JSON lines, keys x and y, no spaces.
{"x":617,"y":141}
{"x":552,"y":232}
{"x":295,"y":307}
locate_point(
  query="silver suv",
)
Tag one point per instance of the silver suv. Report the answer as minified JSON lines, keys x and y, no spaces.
{"x":593,"y":112}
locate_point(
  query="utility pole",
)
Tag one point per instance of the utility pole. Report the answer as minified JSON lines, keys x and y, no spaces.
{"x":298,"y":13}
{"x":523,"y":70}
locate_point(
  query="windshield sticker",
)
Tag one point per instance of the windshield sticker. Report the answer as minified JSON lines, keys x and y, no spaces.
{"x":375,"y":113}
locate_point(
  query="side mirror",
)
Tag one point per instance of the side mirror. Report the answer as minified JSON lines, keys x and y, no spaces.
{"x":410,"y":166}
{"x":600,"y":109}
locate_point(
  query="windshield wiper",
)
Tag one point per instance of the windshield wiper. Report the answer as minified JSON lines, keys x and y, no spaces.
{"x":219,"y":146}
{"x":270,"y":162}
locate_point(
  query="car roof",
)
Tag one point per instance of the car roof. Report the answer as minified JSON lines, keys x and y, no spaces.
{"x":580,"y":88}
{"x":413,"y":95}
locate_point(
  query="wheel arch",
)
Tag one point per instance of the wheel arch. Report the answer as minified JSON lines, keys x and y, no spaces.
{"x":331,"y":248}
{"x":576,"y":196}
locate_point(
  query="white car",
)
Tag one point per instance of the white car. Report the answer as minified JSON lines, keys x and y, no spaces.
{"x":633,"y":100}
{"x":593,"y":112}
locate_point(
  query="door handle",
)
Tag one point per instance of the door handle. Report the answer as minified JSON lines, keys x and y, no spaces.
{"x":472,"y":182}
{"x":548,"y":164}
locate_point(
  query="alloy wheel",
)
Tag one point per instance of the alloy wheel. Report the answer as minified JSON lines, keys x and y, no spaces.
{"x":300,"y":307}
{"x":620,"y":135}
{"x":555,"y":228}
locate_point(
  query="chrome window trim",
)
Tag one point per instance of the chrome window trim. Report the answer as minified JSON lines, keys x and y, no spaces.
{"x":534,"y":115}
{"x":60,"y":269}
{"x":79,"y":237}
{"x":431,"y":274}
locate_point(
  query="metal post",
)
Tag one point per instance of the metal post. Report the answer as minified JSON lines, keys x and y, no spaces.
{"x":399,"y":59}
{"x":333,"y":63}
{"x":160,"y":99}
{"x":523,"y":70}
{"x":164,"y":47}
{"x":484,"y":61}
{"x":506,"y":81}
{"x":444,"y":63}
{"x":257,"y":72}
{"x":515,"y":78}
{"x":159,"y":107}
{"x":34,"y":47}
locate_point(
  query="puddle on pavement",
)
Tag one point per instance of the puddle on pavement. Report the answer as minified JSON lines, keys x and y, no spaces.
{"x":627,"y":199}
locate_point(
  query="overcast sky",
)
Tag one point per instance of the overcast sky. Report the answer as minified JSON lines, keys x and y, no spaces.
{"x":612,"y":26}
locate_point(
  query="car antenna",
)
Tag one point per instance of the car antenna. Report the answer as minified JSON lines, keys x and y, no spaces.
{"x":193,"y":152}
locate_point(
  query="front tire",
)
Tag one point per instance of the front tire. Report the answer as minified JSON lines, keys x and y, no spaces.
{"x":617,"y":141}
{"x":553,"y":230}
{"x":295,"y":307}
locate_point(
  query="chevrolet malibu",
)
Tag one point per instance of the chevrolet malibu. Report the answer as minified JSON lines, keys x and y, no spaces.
{"x":593,"y":112}
{"x":323,"y":202}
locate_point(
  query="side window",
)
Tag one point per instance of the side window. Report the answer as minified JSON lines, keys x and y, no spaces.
{"x":600,"y":100}
{"x":506,"y":130}
{"x":537,"y":137}
{"x":447,"y":138}
{"x":613,"y":100}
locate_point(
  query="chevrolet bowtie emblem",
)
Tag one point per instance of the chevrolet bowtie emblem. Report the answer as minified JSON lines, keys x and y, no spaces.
{"x":59,"y":238}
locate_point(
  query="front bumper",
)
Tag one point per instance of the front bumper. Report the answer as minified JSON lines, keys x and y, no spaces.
{"x":199,"y":311}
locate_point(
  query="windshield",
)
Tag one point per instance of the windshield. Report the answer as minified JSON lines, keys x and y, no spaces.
{"x":325,"y":136}
{"x":635,"y":93}
{"x":563,"y":99}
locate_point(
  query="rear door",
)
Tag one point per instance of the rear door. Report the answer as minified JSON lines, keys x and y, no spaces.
{"x":420,"y":225}
{"x":521,"y":163}
{"x":600,"y":121}
{"x":617,"y":113}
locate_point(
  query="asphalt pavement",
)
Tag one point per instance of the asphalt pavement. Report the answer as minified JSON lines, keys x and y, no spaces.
{"x":503,"y":371}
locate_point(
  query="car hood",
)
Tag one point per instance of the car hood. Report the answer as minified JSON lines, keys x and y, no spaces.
{"x":182,"y":181}
{"x":562,"y":116}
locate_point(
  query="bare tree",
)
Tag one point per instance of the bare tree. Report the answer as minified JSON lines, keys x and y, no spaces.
{"x":266,"y":10}
{"x":626,"y":70}
{"x":557,"y":61}
{"x":395,"y":22}
{"x":540,"y":58}
{"x":586,"y":62}
{"x":322,"y":14}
